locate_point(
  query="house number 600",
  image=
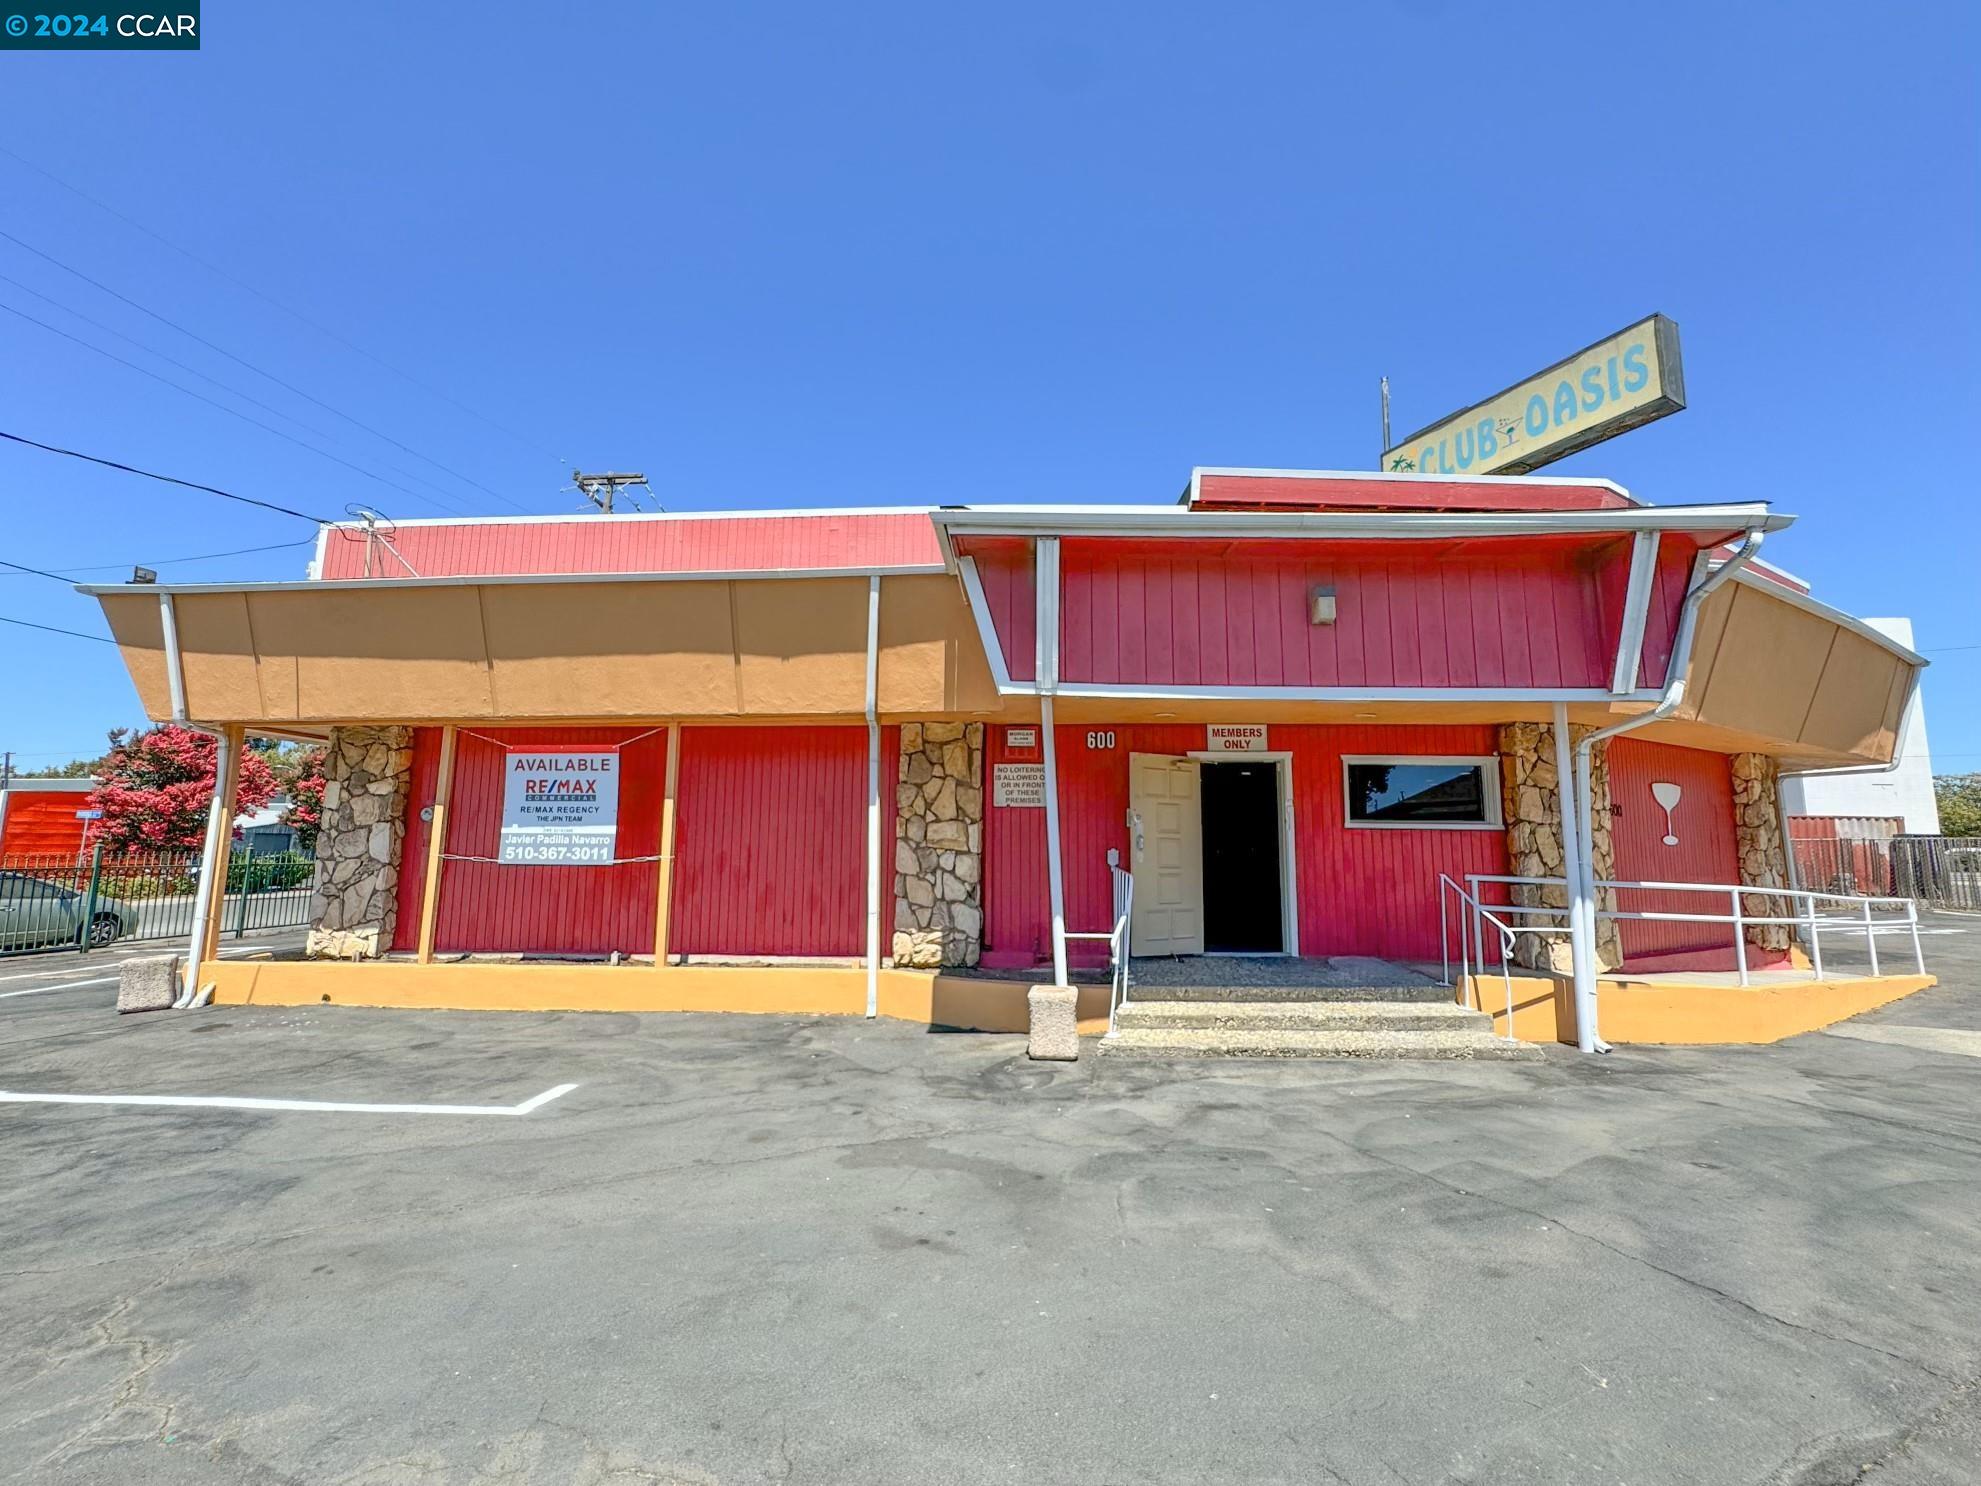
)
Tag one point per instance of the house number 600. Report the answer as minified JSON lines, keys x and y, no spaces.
{"x":1100,"y":740}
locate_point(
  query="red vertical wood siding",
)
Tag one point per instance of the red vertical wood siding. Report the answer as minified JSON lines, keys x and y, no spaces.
{"x":770,"y":841}
{"x":1416,"y":613}
{"x":1005,"y":568}
{"x":487,"y":908}
{"x":1706,"y":850}
{"x":676,"y":544}
{"x":1359,"y":891}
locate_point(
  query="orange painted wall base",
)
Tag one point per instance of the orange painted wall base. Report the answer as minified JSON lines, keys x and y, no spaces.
{"x":1676,"y":1012}
{"x":905,"y":995}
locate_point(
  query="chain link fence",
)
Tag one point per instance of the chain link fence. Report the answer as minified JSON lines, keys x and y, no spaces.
{"x":1936,"y":871}
{"x":94,"y":901}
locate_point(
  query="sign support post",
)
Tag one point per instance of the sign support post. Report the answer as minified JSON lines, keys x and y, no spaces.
{"x":664,"y":875}
{"x":436,"y":845}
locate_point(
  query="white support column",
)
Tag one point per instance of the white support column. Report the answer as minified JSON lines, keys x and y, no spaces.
{"x":873,"y":795}
{"x":1045,"y":574}
{"x":212,"y":859}
{"x":1581,"y":891}
{"x":1636,"y":611}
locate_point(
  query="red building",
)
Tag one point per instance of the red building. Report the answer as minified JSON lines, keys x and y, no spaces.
{"x":38,"y":819}
{"x":883,"y":749}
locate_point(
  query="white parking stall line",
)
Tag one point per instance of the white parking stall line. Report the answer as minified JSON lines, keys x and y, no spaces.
{"x":79,"y":967}
{"x":317,"y":1106}
{"x":67,"y":985}
{"x":233,"y":952}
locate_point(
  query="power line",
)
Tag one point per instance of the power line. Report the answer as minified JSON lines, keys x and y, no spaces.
{"x":269,"y":299}
{"x":433,"y":500}
{"x":258,"y":371}
{"x":131,"y":469}
{"x":226,"y":387}
{"x":21,"y":567}
{"x":159,"y":562}
{"x":76,"y":633}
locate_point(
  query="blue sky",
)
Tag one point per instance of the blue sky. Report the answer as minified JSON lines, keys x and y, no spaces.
{"x":783,"y":255}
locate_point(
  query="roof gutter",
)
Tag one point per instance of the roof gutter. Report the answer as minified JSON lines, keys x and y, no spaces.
{"x":1181,"y":523}
{"x":480,"y":580}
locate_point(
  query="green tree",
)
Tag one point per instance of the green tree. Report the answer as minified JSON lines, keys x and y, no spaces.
{"x":1959,"y":796}
{"x":79,"y":768}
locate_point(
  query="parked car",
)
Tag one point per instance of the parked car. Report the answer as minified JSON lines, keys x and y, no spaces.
{"x":36,"y":913}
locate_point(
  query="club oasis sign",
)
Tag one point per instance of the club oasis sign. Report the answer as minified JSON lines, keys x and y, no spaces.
{"x":1615,"y":385}
{"x":560,"y":807}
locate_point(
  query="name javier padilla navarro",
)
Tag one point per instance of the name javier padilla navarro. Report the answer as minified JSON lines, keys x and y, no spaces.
{"x":134,"y":30}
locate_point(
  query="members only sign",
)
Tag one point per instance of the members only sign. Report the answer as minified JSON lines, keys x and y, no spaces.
{"x":560,"y":808}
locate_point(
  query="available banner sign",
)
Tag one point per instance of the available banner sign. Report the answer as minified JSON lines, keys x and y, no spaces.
{"x":560,"y":807}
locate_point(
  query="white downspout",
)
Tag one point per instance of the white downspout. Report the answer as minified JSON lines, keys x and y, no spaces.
{"x":1581,"y":939}
{"x":217,"y":830}
{"x":1586,"y":1037}
{"x":873,"y":795}
{"x":1045,"y":573}
{"x":216,"y":824}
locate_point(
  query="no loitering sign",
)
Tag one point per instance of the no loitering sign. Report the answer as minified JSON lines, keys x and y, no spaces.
{"x":560,"y":807}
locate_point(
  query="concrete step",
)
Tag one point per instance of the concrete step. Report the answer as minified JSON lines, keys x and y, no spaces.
{"x":1425,"y":994}
{"x":1242,"y":1042}
{"x":1303,"y":1016}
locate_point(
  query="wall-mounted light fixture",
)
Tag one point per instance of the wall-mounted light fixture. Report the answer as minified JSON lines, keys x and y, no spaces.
{"x":1320,"y":606}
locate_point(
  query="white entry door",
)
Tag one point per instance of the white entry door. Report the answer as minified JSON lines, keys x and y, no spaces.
{"x":1167,"y":854}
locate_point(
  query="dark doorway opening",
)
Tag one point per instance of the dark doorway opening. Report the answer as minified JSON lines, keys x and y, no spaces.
{"x":1241,"y":859}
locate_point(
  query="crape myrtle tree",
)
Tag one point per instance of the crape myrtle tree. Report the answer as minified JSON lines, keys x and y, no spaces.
{"x":299,"y":771}
{"x":156,"y":788}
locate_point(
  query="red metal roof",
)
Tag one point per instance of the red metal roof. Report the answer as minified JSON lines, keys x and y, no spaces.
{"x":772,"y":542}
{"x":1215,"y":490}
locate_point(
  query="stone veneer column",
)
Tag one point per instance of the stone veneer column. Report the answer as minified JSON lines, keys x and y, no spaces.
{"x":1757,"y":825}
{"x":354,"y":909}
{"x":939,"y":845}
{"x":1531,"y":800}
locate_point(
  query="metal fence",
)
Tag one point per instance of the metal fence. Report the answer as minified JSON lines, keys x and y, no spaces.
{"x":1939,"y":871}
{"x":96,"y":900}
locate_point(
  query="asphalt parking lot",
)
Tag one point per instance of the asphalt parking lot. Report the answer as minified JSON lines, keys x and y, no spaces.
{"x":762,"y":1250}
{"x":81,"y":981}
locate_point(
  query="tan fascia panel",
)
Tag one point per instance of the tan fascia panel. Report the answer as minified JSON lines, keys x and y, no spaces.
{"x":1776,"y":675}
{"x":509,"y":651}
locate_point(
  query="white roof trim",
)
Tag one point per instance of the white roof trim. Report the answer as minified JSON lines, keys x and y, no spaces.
{"x":479,"y":580}
{"x":1180,"y":521}
{"x":600,"y":518}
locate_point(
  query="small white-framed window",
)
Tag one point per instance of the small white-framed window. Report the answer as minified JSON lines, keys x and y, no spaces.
{"x":1421,"y":792}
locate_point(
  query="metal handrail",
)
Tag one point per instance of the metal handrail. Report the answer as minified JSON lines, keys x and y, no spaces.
{"x":1480,"y":915}
{"x":1737,"y":916}
{"x":1117,"y":939}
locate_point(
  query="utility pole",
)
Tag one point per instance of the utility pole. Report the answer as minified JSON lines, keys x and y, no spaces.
{"x":6,"y":768}
{"x":600,"y":489}
{"x":1384,"y":452}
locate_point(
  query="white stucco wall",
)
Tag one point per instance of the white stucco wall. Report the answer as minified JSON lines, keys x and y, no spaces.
{"x":1906,"y":792}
